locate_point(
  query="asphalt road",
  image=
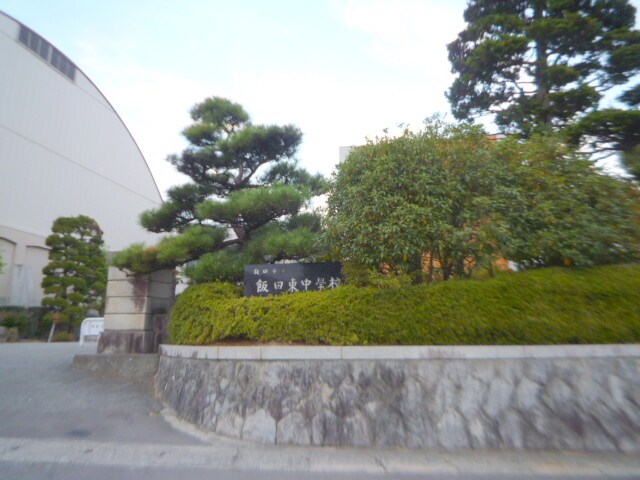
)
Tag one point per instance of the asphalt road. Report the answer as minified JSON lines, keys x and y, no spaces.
{"x":42,"y":397}
{"x":57,"y":422}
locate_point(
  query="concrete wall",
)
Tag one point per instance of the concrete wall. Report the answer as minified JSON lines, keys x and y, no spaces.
{"x":540,"y":398}
{"x":24,"y":255}
{"x":136,"y":311}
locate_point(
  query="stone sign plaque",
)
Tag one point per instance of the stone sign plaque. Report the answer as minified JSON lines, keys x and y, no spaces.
{"x":274,"y":279}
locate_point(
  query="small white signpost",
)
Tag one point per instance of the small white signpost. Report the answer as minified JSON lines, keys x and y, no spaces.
{"x":91,"y":327}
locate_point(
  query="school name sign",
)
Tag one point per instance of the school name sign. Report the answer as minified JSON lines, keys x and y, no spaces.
{"x":275,"y":279}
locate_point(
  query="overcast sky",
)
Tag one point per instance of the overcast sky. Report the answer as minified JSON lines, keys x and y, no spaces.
{"x":341,"y":70}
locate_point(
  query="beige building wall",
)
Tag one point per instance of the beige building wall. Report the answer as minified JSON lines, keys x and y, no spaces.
{"x":343,"y":152}
{"x":64,"y":151}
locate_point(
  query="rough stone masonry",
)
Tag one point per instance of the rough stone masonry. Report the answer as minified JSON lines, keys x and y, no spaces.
{"x":529,"y":403}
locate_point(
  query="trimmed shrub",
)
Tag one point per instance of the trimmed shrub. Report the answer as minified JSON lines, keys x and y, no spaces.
{"x":19,"y":322}
{"x":12,"y":334}
{"x":362,"y":276}
{"x":64,"y":337}
{"x":28,"y":320}
{"x":546,"y":306}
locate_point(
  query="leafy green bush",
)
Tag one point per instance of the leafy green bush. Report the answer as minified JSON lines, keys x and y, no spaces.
{"x":64,"y":337}
{"x":359,"y":275}
{"x":28,"y":320}
{"x":20,"y":322}
{"x":12,"y":334}
{"x":545,"y":306}
{"x":449,"y":192}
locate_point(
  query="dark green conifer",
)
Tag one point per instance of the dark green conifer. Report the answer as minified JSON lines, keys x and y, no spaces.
{"x":545,"y":65}
{"x":242,"y":204}
{"x":76,"y":275}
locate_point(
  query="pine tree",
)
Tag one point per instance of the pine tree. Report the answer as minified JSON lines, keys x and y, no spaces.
{"x":546,"y":64}
{"x":76,"y":275}
{"x":243,"y":202}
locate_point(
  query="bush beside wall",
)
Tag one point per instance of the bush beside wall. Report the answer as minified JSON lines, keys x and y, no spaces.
{"x":28,"y":320}
{"x":546,"y":306}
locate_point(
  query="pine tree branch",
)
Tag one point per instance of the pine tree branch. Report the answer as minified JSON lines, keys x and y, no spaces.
{"x":605,"y":153}
{"x":231,"y":241}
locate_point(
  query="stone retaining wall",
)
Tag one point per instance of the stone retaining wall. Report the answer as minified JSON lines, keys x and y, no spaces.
{"x":541,"y":398}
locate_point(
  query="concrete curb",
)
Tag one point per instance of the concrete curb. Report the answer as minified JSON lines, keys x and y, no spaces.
{"x":223,"y":454}
{"x":473,"y":352}
{"x":403,"y":461}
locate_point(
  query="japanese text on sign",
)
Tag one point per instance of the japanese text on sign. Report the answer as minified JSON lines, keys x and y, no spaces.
{"x":262,"y":280}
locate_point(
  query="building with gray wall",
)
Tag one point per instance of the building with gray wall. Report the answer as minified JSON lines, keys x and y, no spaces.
{"x":64,"y":151}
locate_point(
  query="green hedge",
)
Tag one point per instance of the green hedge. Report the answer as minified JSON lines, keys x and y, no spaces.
{"x":547,"y":306}
{"x":28,"y":320}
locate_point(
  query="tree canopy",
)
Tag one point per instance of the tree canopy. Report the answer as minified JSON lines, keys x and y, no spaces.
{"x":76,"y":275}
{"x":546,"y":64}
{"x":558,"y":209}
{"x":242,"y":204}
{"x":447,"y":199}
{"x":397,"y":199}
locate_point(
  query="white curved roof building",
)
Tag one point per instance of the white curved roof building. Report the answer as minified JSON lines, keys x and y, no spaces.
{"x":64,"y":151}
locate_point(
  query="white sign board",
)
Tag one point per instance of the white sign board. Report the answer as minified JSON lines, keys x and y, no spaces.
{"x":91,"y":327}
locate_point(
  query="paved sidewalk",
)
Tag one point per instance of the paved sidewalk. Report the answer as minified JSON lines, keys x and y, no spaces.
{"x":60,"y":423}
{"x":43,"y":396}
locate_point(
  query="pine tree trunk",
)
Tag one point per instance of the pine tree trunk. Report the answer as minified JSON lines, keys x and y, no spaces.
{"x":540,"y":74}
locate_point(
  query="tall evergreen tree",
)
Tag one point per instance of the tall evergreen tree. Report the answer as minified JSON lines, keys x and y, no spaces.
{"x":76,"y":275}
{"x":545,"y":64}
{"x":242,"y":204}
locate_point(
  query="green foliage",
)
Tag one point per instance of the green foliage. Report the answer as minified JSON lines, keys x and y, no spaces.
{"x":195,"y":240}
{"x":620,"y":128}
{"x":631,"y":161}
{"x":244,"y":179}
{"x":75,"y":277}
{"x":543,"y":64}
{"x":13,"y":334}
{"x":248,"y":208}
{"x":452,"y":194}
{"x":361,"y":276}
{"x":64,"y":337}
{"x":27,"y":319}
{"x":557,"y":208}
{"x":396,"y":199}
{"x":225,"y":265}
{"x":543,"y":306}
{"x":21,"y":322}
{"x":611,"y":130}
{"x":137,"y":258}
